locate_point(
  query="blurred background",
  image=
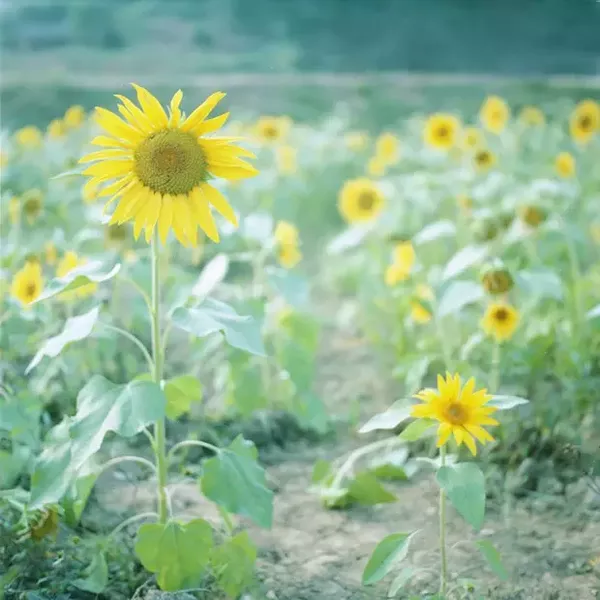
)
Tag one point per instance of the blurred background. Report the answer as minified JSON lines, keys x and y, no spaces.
{"x":301,"y":57}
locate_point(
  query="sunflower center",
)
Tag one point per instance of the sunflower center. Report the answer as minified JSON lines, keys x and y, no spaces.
{"x":443,"y":132}
{"x":270,"y":132}
{"x":456,"y":413}
{"x":501,"y":315}
{"x":170,"y":162}
{"x":32,"y":206}
{"x":585,"y":122}
{"x":366,"y":200}
{"x":30,"y":290}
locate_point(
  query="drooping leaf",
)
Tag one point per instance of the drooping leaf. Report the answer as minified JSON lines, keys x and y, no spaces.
{"x":418,"y":429}
{"x":392,"y":465}
{"x":96,"y":575}
{"x":465,"y":258}
{"x":233,"y":564}
{"x":492,"y":556}
{"x":400,"y":581}
{"x":75,"y":329}
{"x":387,"y":554}
{"x":91,"y":272}
{"x":181,"y":392}
{"x":76,"y":497}
{"x":594,"y":312}
{"x":435,"y":231}
{"x":211,"y":276}
{"x":178,"y":553}
{"x":458,"y":295}
{"x":234,"y":480}
{"x":506,"y":402}
{"x":366,"y":489}
{"x":321,"y":471}
{"x":213,"y":316}
{"x":390,"y":419}
{"x":293,"y":287}
{"x":347,"y":240}
{"x":464,"y":484}
{"x":416,"y":373}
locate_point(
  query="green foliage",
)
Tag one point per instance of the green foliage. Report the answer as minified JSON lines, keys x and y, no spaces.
{"x":492,"y":556}
{"x":181,"y":392}
{"x":386,"y":556}
{"x":233,"y":564}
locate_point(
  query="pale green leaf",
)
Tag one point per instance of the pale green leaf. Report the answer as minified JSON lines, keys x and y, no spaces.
{"x":389,"y":419}
{"x":594,"y":312}
{"x":400,"y":581}
{"x":387,"y":554}
{"x":293,"y":288}
{"x":366,"y":489}
{"x":492,"y":556}
{"x":211,"y":276}
{"x":418,"y":429}
{"x":233,"y":564}
{"x":465,"y":258}
{"x":458,"y":295}
{"x":96,"y":575}
{"x":506,"y":402}
{"x":181,"y":392}
{"x":435,"y":231}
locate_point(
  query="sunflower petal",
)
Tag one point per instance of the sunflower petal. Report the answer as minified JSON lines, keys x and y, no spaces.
{"x":151,"y":106}
{"x":205,"y":219}
{"x":103,"y":154}
{"x":470,"y":443}
{"x":108,"y":142}
{"x":444,"y":431}
{"x":116,"y":126}
{"x":110,"y":168}
{"x":175,"y":117}
{"x":232,"y":172}
{"x":210,"y":125}
{"x":136,"y":116}
{"x":154,"y":206}
{"x":219,"y":202}
{"x":199,"y":114}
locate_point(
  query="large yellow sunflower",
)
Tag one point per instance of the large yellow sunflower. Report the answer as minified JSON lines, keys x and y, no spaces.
{"x":585,"y":121}
{"x":500,"y":321}
{"x":461,"y":411}
{"x":360,"y":200}
{"x":159,"y":166}
{"x":27,"y":283}
{"x":441,"y":131}
{"x":494,"y":114}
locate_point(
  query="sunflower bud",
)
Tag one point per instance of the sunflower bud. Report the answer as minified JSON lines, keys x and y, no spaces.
{"x":497,"y":280}
{"x":532,"y":215}
{"x":485,"y":230}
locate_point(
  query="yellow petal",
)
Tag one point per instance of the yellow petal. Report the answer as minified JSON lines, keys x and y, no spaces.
{"x":175,"y":110}
{"x":470,"y":443}
{"x":110,"y":168}
{"x":181,"y":219}
{"x":480,"y":433}
{"x":232,"y":172}
{"x":210,"y":125}
{"x":444,"y":431}
{"x":136,"y":117}
{"x":200,"y":113}
{"x":103,"y":154}
{"x":104,"y":140}
{"x":154,"y":205}
{"x":151,"y":107}
{"x":116,"y":186}
{"x":204,"y":218}
{"x":219,"y":202}
{"x":421,"y":411}
{"x":117,"y":127}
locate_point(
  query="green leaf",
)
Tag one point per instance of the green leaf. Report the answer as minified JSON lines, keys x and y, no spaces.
{"x":234,"y":480}
{"x":401,"y":580}
{"x":366,"y":489}
{"x":102,"y":406}
{"x":245,"y":385}
{"x":506,"y":402}
{"x":321,"y":471}
{"x":241,"y":332}
{"x":75,"y":329}
{"x":76,"y":498}
{"x":464,"y":259}
{"x":390,"y":419}
{"x":233,"y":564}
{"x":458,"y":295}
{"x":299,"y":363}
{"x":180,"y":393}
{"x":303,"y":329}
{"x":435,"y":231}
{"x":492,"y":556}
{"x":593,"y":313}
{"x":96,"y":577}
{"x":311,"y":413}
{"x":541,"y":283}
{"x":77,"y":172}
{"x":416,"y":373}
{"x":178,"y":553}
{"x":91,"y":272}
{"x":349,"y":239}
{"x":417,"y":429}
{"x":211,"y":276}
{"x":13,"y":464}
{"x":464,"y":484}
{"x":387,"y":554}
{"x":292,"y":287}
{"x":393,"y":465}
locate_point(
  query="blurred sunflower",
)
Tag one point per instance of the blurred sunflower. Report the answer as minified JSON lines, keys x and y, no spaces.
{"x":162,"y":164}
{"x":74,"y":117}
{"x":585,"y":121}
{"x":497,"y":280}
{"x":272,"y":129}
{"x":50,"y":253}
{"x":69,"y":262}
{"x":14,"y":210}
{"x":441,"y":131}
{"x":472,"y":137}
{"x":387,"y":148}
{"x":3,"y":158}
{"x":532,"y":115}
{"x":494,"y":114}
{"x":564,"y":164}
{"x":356,"y":140}
{"x":116,"y":236}
{"x":461,"y":411}
{"x":30,"y":137}
{"x":500,"y":321}
{"x":484,"y":159}
{"x":419,"y":313}
{"x":465,"y":203}
{"x":532,"y":215}
{"x":28,"y":283}
{"x":287,"y":241}
{"x":376,"y":167}
{"x":56,"y":129}
{"x":286,"y":160}
{"x":32,"y":203}
{"x":360,"y":200}
{"x":402,"y":264}
{"x":289,"y":255}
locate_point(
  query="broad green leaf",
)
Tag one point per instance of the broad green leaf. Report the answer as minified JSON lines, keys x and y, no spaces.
{"x":303,"y":329}
{"x":541,"y":283}
{"x":401,"y":580}
{"x":91,"y":272}
{"x":233,"y":564}
{"x":506,"y":402}
{"x":492,"y":556}
{"x":241,"y":332}
{"x":13,"y":464}
{"x":347,"y":240}
{"x":416,"y":373}
{"x":458,"y":295}
{"x":245,"y":385}
{"x":390,"y":419}
{"x":178,"y":553}
{"x":76,"y":498}
{"x":299,"y":362}
{"x":418,"y":429}
{"x":234,"y":480}
{"x":366,"y":489}
{"x":387,"y":554}
{"x":311,"y":412}
{"x":321,"y":471}
{"x":464,"y":484}
{"x":465,"y":258}
{"x":293,"y":288}
{"x":181,"y":392}
{"x":392,"y":465}
{"x":594,"y":313}
{"x":75,"y":329}
{"x":211,"y":276}
{"x":102,"y":406}
{"x":96,"y":575}
{"x":435,"y":231}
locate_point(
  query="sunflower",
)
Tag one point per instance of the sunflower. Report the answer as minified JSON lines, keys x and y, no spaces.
{"x":564,"y":164}
{"x":32,"y":202}
{"x":161,"y":165}
{"x":286,"y":233}
{"x":494,"y":114}
{"x":497,"y":280}
{"x":376,"y":167}
{"x":288,"y":242}
{"x":465,"y":203}
{"x":69,"y":262}
{"x":441,"y":131}
{"x":500,"y":321}
{"x":14,"y":210}
{"x":585,"y":121}
{"x":289,"y":255}
{"x":50,"y":253}
{"x":286,"y":160}
{"x":28,"y":283}
{"x":56,"y":128}
{"x":484,"y":159}
{"x":402,"y":263}
{"x":74,"y":117}
{"x":356,"y":140}
{"x":532,"y":115}
{"x":29,"y":137}
{"x":472,"y":137}
{"x":360,"y":200}
{"x":387,"y":148}
{"x":532,"y":215}
{"x":272,"y":129}
{"x":419,"y":313}
{"x":460,"y":410}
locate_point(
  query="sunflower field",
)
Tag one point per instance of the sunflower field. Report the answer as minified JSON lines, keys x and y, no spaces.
{"x":347,"y":350}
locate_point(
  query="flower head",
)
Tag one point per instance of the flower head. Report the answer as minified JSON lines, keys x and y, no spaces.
{"x":497,"y":280}
{"x":376,"y":167}
{"x":402,"y":263}
{"x":441,"y":131}
{"x":29,"y":137}
{"x":288,"y":242}
{"x":50,"y":253}
{"x":532,"y":215}
{"x":500,"y":321}
{"x":74,"y":117}
{"x":272,"y":129}
{"x":585,"y":121}
{"x":360,"y":200}
{"x":564,"y":164}
{"x":32,"y":202}
{"x":484,"y":159}
{"x":160,"y":165}
{"x":28,"y":283}
{"x":532,"y":116}
{"x":356,"y":140}
{"x":387,"y":148}
{"x":56,"y":128}
{"x":494,"y":114}
{"x":286,"y":233}
{"x":460,"y":410}
{"x":472,"y":137}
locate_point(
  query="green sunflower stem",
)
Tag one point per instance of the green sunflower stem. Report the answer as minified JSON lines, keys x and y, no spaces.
{"x":443,"y":559}
{"x":159,"y":426}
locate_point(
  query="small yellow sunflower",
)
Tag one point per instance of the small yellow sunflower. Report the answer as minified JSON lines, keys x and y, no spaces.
{"x":288,"y":240}
{"x":51,"y":253}
{"x":32,"y":202}
{"x":532,"y":215}
{"x":472,"y":137}
{"x":532,"y":116}
{"x":160,"y":166}
{"x":272,"y":129}
{"x":500,"y":321}
{"x":585,"y":121}
{"x":69,"y":262}
{"x":564,"y":165}
{"x":387,"y":148}
{"x":494,"y":114}
{"x":465,"y":203}
{"x":286,"y":233}
{"x":29,"y":137}
{"x":424,"y":291}
{"x":28,"y":283}
{"x":497,"y":280}
{"x":286,"y":160}
{"x":74,"y":117}
{"x":356,"y":140}
{"x":56,"y":129}
{"x":14,"y":210}
{"x":376,"y":167}
{"x":460,"y":410}
{"x":484,"y":159}
{"x":441,"y":131}
{"x":289,"y":255}
{"x":402,"y":263}
{"x":360,"y":200}
{"x":419,"y":313}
